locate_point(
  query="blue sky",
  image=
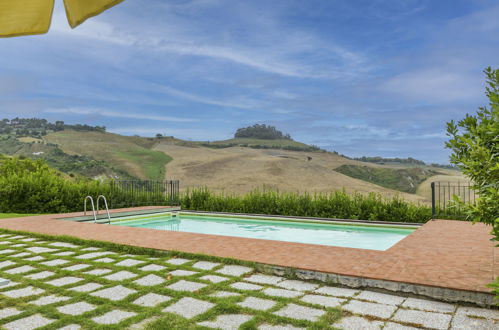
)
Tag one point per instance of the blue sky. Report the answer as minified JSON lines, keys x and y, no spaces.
{"x":364,"y":77}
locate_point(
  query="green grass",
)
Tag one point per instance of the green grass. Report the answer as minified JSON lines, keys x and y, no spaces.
{"x":402,"y":179}
{"x":14,"y":215}
{"x":164,"y":320}
{"x":153,"y":162}
{"x":258,"y":144}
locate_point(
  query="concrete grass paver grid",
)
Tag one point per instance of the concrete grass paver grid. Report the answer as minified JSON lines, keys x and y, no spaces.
{"x":76,"y":308}
{"x":28,"y":323}
{"x":113,"y":317}
{"x":189,"y":307}
{"x":227,"y":321}
{"x":425,"y":319}
{"x":299,"y":300}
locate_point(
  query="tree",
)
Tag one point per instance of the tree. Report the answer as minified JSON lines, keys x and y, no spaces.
{"x":474,"y":142}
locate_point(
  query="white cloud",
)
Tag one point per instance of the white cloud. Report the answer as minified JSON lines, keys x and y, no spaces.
{"x":115,"y":114}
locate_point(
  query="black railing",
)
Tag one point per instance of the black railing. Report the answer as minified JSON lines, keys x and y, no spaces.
{"x":443,"y":195}
{"x":131,"y":193}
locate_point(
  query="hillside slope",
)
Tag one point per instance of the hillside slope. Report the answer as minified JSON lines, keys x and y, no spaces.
{"x":128,"y":153}
{"x":239,"y":170}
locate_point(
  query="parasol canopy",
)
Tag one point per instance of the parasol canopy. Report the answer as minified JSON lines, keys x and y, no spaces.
{"x":26,"y":17}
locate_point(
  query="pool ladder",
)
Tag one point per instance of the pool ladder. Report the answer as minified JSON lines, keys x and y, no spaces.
{"x":95,"y":213}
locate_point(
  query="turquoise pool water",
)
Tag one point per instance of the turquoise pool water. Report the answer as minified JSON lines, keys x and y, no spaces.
{"x":362,"y":237}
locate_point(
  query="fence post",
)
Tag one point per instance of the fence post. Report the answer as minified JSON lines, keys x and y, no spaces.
{"x":433,"y":200}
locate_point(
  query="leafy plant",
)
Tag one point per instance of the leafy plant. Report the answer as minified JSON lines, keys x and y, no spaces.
{"x":475,"y":150}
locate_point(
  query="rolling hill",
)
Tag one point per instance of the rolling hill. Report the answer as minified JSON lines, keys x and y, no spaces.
{"x":236,"y":165}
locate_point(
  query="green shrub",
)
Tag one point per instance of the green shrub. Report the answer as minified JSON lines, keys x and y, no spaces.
{"x":337,"y":204}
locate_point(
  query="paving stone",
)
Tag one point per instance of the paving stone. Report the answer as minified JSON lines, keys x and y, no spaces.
{"x":63,"y":245}
{"x":479,"y":312}
{"x":10,"y":284}
{"x":99,"y":271}
{"x":7,"y":263}
{"x":64,"y":253}
{"x":8,"y":312}
{"x":151,"y":300}
{"x":40,"y":249}
{"x":397,"y":326}
{"x":264,"y":279}
{"x":5,"y":242}
{"x":48,"y":300}
{"x":7,"y":251}
{"x":28,"y":323}
{"x":336,"y":292}
{"x":71,"y":327}
{"x":91,"y":249}
{"x":246,"y":286}
{"x":257,"y":303}
{"x":152,"y":268}
{"x":189,"y":307}
{"x":282,"y":293}
{"x":31,"y":239}
{"x":65,"y":281}
{"x":35,"y":258}
{"x":120,"y":276}
{"x":24,"y":292}
{"x":278,"y":327}
{"x":300,"y":312}
{"x":93,"y":255}
{"x":18,"y":245}
{"x":224,"y":294}
{"x":205,"y":265}
{"x":369,"y":308}
{"x":76,"y":267}
{"x":227,"y":321}
{"x":87,"y":287}
{"x":5,"y":235}
{"x":465,"y":322}
{"x":55,"y":262}
{"x":105,"y":260}
{"x":20,"y":270}
{"x":425,"y":319}
{"x":115,"y":293}
{"x":113,"y":317}
{"x":40,"y":275}
{"x":234,"y":270}
{"x":214,"y":278}
{"x":428,"y":305}
{"x":17,"y":237}
{"x":129,"y":262}
{"x":186,"y":286}
{"x":143,"y":324}
{"x":381,"y":298}
{"x":177,"y":261}
{"x":321,"y":300}
{"x":355,"y":323}
{"x":20,"y":255}
{"x":181,"y":272}
{"x":297,"y":285}
{"x":76,"y":308}
{"x":149,"y":280}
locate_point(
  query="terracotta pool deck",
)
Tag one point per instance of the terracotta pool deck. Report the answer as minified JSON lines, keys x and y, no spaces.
{"x":444,"y":254}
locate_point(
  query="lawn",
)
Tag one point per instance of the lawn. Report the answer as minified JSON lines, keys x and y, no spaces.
{"x":64,"y":282}
{"x":14,"y":215}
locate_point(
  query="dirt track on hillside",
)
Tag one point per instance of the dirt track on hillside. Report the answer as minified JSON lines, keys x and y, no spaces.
{"x":240,"y":170}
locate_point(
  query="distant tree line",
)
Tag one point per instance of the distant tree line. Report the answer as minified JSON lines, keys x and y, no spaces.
{"x":36,"y":128}
{"x":409,"y":160}
{"x":261,"y":131}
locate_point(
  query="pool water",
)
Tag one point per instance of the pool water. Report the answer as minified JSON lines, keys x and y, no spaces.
{"x":352,"y":236}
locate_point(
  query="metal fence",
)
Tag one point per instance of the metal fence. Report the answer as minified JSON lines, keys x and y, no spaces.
{"x":131,"y":193}
{"x":443,"y":195}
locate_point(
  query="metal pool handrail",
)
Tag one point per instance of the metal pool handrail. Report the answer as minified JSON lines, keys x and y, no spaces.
{"x":93,"y":207}
{"x":105,"y":204}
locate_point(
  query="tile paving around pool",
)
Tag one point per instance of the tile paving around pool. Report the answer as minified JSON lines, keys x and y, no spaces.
{"x":175,"y":293}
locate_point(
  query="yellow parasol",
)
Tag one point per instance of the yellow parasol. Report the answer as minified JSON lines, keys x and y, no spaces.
{"x":26,"y":17}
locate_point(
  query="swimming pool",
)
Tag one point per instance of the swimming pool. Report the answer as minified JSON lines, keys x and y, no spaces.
{"x":290,"y":230}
